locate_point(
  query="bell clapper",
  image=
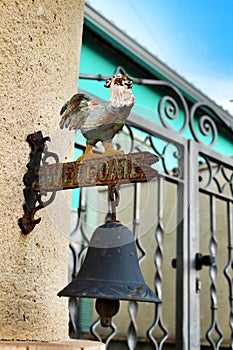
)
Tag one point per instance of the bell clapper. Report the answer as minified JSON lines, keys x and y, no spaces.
{"x":107,"y":308}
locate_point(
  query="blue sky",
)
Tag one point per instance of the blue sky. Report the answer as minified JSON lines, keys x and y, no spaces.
{"x":195,"y":38}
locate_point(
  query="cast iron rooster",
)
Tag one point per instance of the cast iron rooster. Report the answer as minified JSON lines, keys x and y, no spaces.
{"x":99,"y":122}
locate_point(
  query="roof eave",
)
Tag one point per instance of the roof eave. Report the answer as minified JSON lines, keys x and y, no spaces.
{"x":157,"y":66}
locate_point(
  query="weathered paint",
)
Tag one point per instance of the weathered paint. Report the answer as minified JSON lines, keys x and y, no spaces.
{"x":97,"y":172}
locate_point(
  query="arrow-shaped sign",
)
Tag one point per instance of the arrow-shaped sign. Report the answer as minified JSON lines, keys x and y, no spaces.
{"x":132,"y":167}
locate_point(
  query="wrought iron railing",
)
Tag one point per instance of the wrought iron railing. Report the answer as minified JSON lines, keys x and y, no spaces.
{"x":169,"y":141}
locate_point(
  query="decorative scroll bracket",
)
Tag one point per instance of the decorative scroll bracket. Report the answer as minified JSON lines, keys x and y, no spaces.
{"x":32,"y":197}
{"x":49,"y":178}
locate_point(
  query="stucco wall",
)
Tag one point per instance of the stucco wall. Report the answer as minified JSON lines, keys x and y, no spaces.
{"x":40,"y":46}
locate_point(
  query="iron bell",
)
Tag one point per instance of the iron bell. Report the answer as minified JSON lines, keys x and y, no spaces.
{"x":110,"y":272}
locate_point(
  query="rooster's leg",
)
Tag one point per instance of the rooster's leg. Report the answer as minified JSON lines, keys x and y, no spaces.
{"x":87,"y":154}
{"x":109,"y":150}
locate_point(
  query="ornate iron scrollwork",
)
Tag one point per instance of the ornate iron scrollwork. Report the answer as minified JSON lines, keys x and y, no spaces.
{"x":217,"y":177}
{"x":207,"y":127}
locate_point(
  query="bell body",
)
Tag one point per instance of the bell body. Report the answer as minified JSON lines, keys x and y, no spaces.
{"x":111,"y":269}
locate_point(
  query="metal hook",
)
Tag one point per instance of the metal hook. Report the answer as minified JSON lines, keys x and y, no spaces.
{"x":114,"y":196}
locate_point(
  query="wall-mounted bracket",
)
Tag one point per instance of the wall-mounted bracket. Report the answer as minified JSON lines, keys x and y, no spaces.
{"x":32,"y":195}
{"x":43,"y":178}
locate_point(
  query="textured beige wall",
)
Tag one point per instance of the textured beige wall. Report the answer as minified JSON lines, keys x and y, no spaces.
{"x":40,"y":46}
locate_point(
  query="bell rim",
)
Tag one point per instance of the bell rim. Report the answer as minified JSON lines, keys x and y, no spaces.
{"x":100,"y":290}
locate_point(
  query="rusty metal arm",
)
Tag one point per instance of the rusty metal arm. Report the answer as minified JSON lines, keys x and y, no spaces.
{"x":43,"y":178}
